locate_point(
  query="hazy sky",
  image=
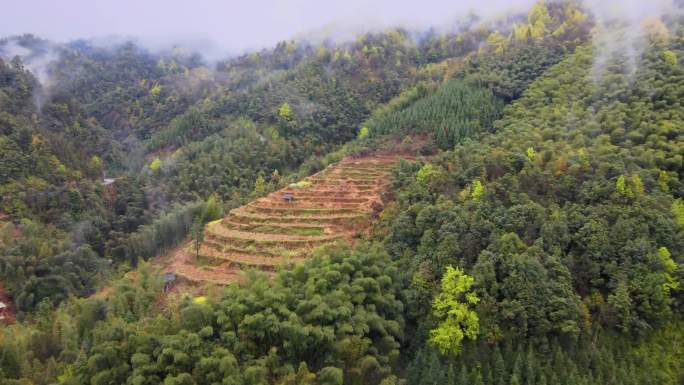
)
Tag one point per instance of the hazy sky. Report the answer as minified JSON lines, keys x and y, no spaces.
{"x":228,"y":26}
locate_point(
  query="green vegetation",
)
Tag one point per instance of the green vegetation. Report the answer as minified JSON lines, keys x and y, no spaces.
{"x":312,"y":231}
{"x":457,"y":319}
{"x":300,"y":184}
{"x":567,"y":219}
{"x":336,"y":315}
{"x":536,"y":237}
{"x":455,"y":111}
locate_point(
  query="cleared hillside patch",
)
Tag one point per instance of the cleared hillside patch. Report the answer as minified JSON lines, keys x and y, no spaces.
{"x":334,"y":205}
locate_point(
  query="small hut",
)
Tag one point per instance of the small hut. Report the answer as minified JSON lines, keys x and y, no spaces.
{"x":288,"y":197}
{"x":3,"y":310}
{"x":169,"y":279}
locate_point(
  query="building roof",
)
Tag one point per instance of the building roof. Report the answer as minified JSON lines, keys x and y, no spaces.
{"x":2,"y":305}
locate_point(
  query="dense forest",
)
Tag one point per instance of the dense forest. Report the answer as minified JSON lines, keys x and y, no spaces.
{"x":537,"y":236}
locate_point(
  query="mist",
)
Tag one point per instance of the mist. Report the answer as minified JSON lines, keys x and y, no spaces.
{"x":36,"y":62}
{"x":219,"y":29}
{"x":619,"y":30}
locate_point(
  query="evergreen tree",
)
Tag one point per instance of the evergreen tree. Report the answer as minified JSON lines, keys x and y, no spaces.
{"x":463,"y":378}
{"x":530,"y":367}
{"x":451,"y":375}
{"x":500,"y":375}
{"x":476,"y":376}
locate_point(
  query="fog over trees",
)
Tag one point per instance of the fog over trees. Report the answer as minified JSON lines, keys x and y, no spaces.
{"x":532,"y":232}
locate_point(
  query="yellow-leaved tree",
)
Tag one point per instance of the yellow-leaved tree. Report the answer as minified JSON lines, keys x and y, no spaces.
{"x":453,"y":309}
{"x":363,"y":132}
{"x":155,"y":165}
{"x":497,"y":41}
{"x":538,"y":19}
{"x":285,"y":111}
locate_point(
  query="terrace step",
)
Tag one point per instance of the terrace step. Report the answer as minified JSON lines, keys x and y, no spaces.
{"x":322,"y":192}
{"x":321,"y":198}
{"x":285,"y":225}
{"x":301,"y":211}
{"x":250,"y":259}
{"x":364,"y":168}
{"x":262,"y":251}
{"x":362,"y":175}
{"x":218,"y":276}
{"x":268,"y":230}
{"x":240,"y":214}
{"x":289,"y":229}
{"x":379,"y":165}
{"x":265,"y":245}
{"x":306,"y":204}
{"x":342,"y":180}
{"x":335,"y":205}
{"x":349,"y":186}
{"x":357,"y":170}
{"x":224,"y":233}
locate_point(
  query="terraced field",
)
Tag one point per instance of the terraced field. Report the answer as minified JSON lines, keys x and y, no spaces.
{"x":287,"y":225}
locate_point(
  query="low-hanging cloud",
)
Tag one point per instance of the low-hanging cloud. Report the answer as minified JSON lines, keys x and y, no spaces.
{"x":36,"y":60}
{"x":224,"y":28}
{"x":217,"y":29}
{"x":619,"y":30}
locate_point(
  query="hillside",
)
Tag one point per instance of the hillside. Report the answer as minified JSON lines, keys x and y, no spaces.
{"x":333,"y":205}
{"x":498,"y":205}
{"x":567,"y":219}
{"x":183,"y":138}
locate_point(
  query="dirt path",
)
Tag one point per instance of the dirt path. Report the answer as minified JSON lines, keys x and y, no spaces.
{"x":222,"y":232}
{"x":183,"y":264}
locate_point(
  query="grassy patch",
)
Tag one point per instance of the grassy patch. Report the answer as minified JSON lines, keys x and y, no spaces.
{"x":306,"y":211}
{"x":206,"y":261}
{"x":303,"y":231}
{"x":300,"y":184}
{"x":273,"y":229}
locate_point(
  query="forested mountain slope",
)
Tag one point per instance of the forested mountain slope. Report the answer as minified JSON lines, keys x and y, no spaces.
{"x":542,"y":244}
{"x":569,"y":220}
{"x":176,"y":133}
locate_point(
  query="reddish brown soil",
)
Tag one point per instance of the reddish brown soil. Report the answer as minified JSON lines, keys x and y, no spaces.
{"x":102,"y":293}
{"x":338,"y":205}
{"x":218,"y":229}
{"x":8,"y":316}
{"x":183,"y":264}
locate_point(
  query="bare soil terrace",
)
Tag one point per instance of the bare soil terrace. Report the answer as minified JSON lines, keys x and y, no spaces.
{"x":336,"y":204}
